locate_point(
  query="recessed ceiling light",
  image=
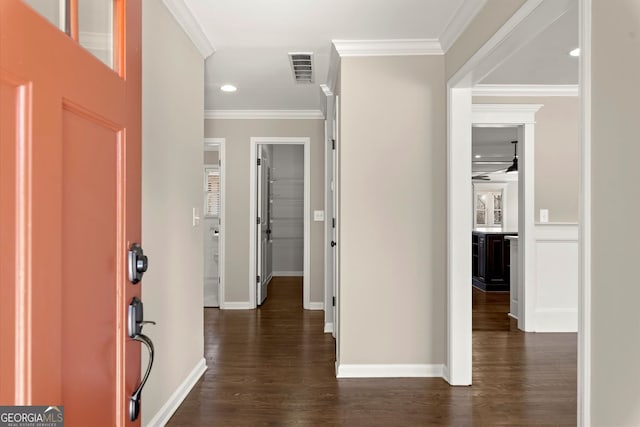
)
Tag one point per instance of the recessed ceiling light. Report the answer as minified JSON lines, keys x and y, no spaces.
{"x":477,"y":156}
{"x":575,"y":52}
{"x":228,"y":88}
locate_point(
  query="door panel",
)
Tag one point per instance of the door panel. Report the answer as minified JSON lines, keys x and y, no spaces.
{"x":70,"y":190}
{"x":89,"y":253}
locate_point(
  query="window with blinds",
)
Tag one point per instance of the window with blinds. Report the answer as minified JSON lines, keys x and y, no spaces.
{"x":212,"y":192}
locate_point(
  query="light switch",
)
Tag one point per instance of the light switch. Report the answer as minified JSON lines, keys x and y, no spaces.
{"x":544,"y":215}
{"x":196,"y":217}
{"x":318,"y":215}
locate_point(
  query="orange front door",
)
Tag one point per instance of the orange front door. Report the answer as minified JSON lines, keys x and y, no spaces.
{"x":70,"y":159}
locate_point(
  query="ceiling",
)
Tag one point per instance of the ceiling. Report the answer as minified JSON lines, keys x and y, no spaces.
{"x":252,"y":39}
{"x":492,"y":144}
{"x":545,"y":59}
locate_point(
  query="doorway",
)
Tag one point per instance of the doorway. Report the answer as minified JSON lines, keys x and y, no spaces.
{"x":280,"y":206}
{"x":212,"y":221}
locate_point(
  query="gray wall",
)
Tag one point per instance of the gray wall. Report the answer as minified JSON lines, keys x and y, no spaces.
{"x":557,"y":153}
{"x":172,"y":111}
{"x":615,"y":203}
{"x":238,"y":134}
{"x":392,"y":210}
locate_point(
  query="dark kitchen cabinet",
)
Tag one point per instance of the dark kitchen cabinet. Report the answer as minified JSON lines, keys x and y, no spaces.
{"x":490,"y":260}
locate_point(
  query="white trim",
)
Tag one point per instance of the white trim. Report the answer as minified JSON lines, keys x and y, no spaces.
{"x":287,"y":273}
{"x":556,"y":232}
{"x":189,"y":23}
{"x":394,"y":47}
{"x":334,"y":69}
{"x":525,"y":90}
{"x":459,"y":220}
{"x":328,"y":328}
{"x":221,"y":143}
{"x":177,"y":397}
{"x":237,"y":305}
{"x":264,"y":114}
{"x":501,"y":114}
{"x":326,"y":90}
{"x":556,"y":320}
{"x":460,"y":21}
{"x":390,"y":371}
{"x":528,"y":21}
{"x":253,"y":146}
{"x":584,"y":244}
{"x":316,"y":306}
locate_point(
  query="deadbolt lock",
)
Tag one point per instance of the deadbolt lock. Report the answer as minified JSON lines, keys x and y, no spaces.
{"x":138,"y":263}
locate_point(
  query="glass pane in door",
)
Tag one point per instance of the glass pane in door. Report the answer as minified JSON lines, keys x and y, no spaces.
{"x":95,"y":28}
{"x":53,"y":10}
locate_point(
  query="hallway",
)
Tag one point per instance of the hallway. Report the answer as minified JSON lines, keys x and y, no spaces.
{"x":274,"y":366}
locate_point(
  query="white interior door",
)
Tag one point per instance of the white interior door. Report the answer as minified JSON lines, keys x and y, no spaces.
{"x":335,"y":221}
{"x":263,"y":220}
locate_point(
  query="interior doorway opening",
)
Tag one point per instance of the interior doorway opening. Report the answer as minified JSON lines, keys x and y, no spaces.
{"x":213,"y":221}
{"x":280,"y":206}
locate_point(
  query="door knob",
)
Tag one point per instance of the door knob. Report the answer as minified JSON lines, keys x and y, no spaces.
{"x":333,"y":244}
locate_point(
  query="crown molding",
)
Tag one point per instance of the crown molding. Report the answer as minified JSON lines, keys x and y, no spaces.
{"x":525,"y":90}
{"x":264,"y":114}
{"x":460,"y":21}
{"x":504,"y":113}
{"x":397,"y":47}
{"x":185,"y":17}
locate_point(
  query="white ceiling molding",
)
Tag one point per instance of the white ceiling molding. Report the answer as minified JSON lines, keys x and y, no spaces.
{"x":264,"y":114}
{"x":326,"y":90}
{"x":525,"y":90}
{"x":502,"y":114}
{"x":460,"y":21}
{"x":191,"y":26}
{"x":395,"y":47}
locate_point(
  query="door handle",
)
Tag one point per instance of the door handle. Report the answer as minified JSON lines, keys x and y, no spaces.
{"x":134,"y":329}
{"x":333,"y":244}
{"x":134,"y":400}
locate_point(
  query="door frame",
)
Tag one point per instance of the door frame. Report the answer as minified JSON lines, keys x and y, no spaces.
{"x":253,"y":157}
{"x":220,"y":143}
{"x":521,"y":116}
{"x":533,"y":17}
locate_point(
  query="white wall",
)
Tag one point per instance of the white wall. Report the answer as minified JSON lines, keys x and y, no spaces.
{"x":172,"y":159}
{"x":238,"y":217}
{"x":392,"y":215}
{"x":615,"y":203}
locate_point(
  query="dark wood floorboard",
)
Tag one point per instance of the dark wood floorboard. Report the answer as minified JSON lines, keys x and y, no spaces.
{"x":274,"y":367}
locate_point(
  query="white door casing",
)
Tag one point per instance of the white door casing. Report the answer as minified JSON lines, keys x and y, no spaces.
{"x":528,"y":21}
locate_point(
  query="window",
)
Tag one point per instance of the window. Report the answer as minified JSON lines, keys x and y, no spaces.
{"x":212,"y":192}
{"x":488,"y":208}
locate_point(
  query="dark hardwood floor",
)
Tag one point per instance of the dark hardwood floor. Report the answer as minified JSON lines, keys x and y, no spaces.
{"x":274,"y":366}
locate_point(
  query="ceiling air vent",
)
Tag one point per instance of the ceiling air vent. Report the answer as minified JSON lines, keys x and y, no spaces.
{"x":302,"y":66}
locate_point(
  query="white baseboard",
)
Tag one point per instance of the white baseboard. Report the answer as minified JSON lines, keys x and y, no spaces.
{"x":316,"y":306}
{"x":167,"y":410}
{"x":287,"y":273}
{"x":328,"y":328}
{"x":242,"y":305}
{"x":556,"y":320}
{"x":513,"y":316}
{"x":445,"y":373}
{"x":390,"y":371}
